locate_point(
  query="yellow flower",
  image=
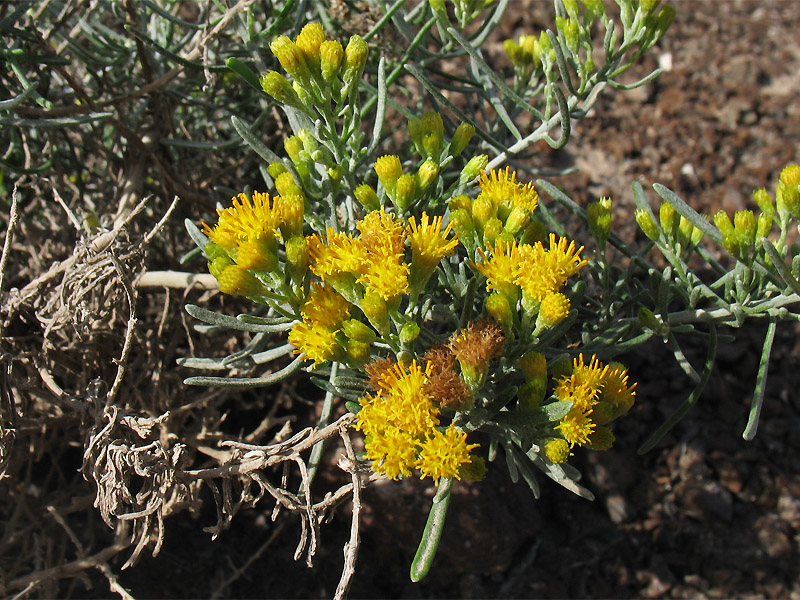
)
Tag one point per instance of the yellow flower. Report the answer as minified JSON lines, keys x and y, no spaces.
{"x":318,"y":343}
{"x":502,"y":189}
{"x":544,"y":271}
{"x":616,"y":390}
{"x":443,"y":454}
{"x":502,"y":269}
{"x":429,"y":244}
{"x":554,"y":309}
{"x":387,"y":276}
{"x":244,"y":220}
{"x":382,"y":233}
{"x":338,"y":253}
{"x":408,"y":400}
{"x":576,"y":426}
{"x":325,"y":308}
{"x":393,"y":452}
{"x":584,"y":384}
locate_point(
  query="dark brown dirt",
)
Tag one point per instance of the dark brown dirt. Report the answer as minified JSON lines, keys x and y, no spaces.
{"x":705,"y":514}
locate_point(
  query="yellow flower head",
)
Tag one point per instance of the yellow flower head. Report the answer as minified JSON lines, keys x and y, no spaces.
{"x":543,"y":271}
{"x":325,"y":308}
{"x":387,"y":276}
{"x":318,"y":343}
{"x":393,"y":452}
{"x":503,"y":190}
{"x":443,"y":454}
{"x":502,"y":269}
{"x":244,"y":220}
{"x":616,"y":390}
{"x":429,"y":244}
{"x":576,"y":426}
{"x":409,"y":400}
{"x":337,"y":253}
{"x":584,"y":384}
{"x":382,"y":233}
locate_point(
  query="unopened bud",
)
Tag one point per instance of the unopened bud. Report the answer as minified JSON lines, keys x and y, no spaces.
{"x":374,"y":308}
{"x":290,"y":57}
{"x":286,"y":185}
{"x":473,"y":169}
{"x":331,"y":55}
{"x":598,"y":215}
{"x":723,"y":223}
{"x":276,"y":85}
{"x":356,"y":330}
{"x":389,"y":171}
{"x":514,"y":52}
{"x":764,"y":201}
{"x":649,"y":320}
{"x":789,"y":189}
{"x":669,"y":219}
{"x":764,"y":226}
{"x":236,"y":280}
{"x":355,"y":59}
{"x":308,"y":41}
{"x":218,"y":265}
{"x":292,"y":208}
{"x":602,"y":438}
{"x":367,"y":197}
{"x":427,"y":174}
{"x":432,"y":134}
{"x":647,"y":224}
{"x":461,"y":138}
{"x":498,"y":308}
{"x":358,"y":351}
{"x":297,"y":257}
{"x":409,"y":332}
{"x":744,"y":224}
{"x":405,"y":191}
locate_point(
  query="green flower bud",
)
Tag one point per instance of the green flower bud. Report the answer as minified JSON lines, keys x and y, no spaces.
{"x":598,"y":215}
{"x":375,"y":309}
{"x":744,"y":223}
{"x":764,"y":201}
{"x":275,"y":169}
{"x":515,"y":53}
{"x":367,"y":197}
{"x":764,"y":226}
{"x":294,"y":148}
{"x":432,"y":134}
{"x":331,"y":55}
{"x":358,"y":351}
{"x":238,"y":281}
{"x":464,"y":227}
{"x":297,"y":257}
{"x":534,"y":232}
{"x":461,"y":138}
{"x":218,"y":264}
{"x":669,"y":219}
{"x":460,"y":201}
{"x":571,"y":7}
{"x":498,"y":308}
{"x":647,"y":6}
{"x":355,"y":59}
{"x":517,"y":220}
{"x":571,"y":33}
{"x":405,"y":191}
{"x":286,"y":185}
{"x":473,"y":169}
{"x":291,"y":58}
{"x":531,"y":393}
{"x":276,"y":85}
{"x":723,"y":223}
{"x":789,"y":189}
{"x":356,"y":330}
{"x":212,"y":251}
{"x":427,"y":174}
{"x":665,"y":17}
{"x":492,"y":230}
{"x":409,"y":332}
{"x":602,"y":438}
{"x":647,"y":224}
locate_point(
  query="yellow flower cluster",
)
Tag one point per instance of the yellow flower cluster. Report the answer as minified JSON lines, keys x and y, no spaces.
{"x":599,"y":393}
{"x":400,"y":424}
